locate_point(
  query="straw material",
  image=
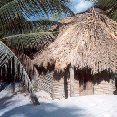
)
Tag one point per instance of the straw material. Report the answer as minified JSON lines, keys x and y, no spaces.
{"x":86,"y":40}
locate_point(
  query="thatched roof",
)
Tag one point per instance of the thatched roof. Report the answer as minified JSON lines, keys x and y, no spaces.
{"x":86,"y":40}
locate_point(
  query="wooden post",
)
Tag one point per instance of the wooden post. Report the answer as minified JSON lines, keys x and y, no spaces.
{"x":65,"y":86}
{"x":71,"y":70}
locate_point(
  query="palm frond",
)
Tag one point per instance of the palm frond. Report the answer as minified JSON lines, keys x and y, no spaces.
{"x":114,"y":15}
{"x":6,"y":57}
{"x":109,"y":6}
{"x":3,"y":2}
{"x":12,"y":22}
{"x":13,"y":16}
{"x":31,"y":43}
{"x":20,"y":26}
{"x":45,"y":7}
{"x":11,"y":67}
{"x":8,"y":12}
{"x":105,"y":4}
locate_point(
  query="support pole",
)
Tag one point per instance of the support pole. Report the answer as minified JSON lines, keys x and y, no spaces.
{"x":71,"y":70}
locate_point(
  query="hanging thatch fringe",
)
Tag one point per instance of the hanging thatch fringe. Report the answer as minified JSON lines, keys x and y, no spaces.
{"x":86,"y":40}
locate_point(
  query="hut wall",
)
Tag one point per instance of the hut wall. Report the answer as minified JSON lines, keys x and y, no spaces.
{"x":54,"y":84}
{"x":61,"y":86}
{"x":58,"y":89}
{"x":105,"y":87}
{"x":45,"y":83}
{"x":58,"y":85}
{"x":76,"y":88}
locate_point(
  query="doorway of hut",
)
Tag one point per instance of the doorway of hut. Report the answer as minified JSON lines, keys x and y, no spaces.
{"x":85,"y":81}
{"x":80,"y":82}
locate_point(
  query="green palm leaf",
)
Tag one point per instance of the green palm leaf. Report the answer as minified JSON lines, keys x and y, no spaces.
{"x":19,"y":25}
{"x":3,"y":2}
{"x":31,"y":43}
{"x":45,"y":6}
{"x":109,"y":6}
{"x":105,"y":4}
{"x":12,"y":15}
{"x":10,"y":65}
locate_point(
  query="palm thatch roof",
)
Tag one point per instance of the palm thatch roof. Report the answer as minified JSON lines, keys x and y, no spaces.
{"x":88,"y":40}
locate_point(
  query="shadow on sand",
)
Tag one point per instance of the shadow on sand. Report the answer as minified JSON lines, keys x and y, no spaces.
{"x":45,"y":110}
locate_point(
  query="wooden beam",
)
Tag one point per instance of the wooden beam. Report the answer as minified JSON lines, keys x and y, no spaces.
{"x":71,"y":70}
{"x":65,"y":86}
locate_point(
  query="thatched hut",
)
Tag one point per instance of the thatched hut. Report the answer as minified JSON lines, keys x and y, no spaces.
{"x":84,"y":56}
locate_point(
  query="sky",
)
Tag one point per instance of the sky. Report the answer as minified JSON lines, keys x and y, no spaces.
{"x":80,"y":5}
{"x":76,"y":6}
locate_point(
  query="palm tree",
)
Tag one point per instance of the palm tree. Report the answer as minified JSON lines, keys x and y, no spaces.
{"x":21,"y":35}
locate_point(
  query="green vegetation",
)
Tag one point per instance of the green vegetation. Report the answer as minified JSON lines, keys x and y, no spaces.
{"x":109,"y":6}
